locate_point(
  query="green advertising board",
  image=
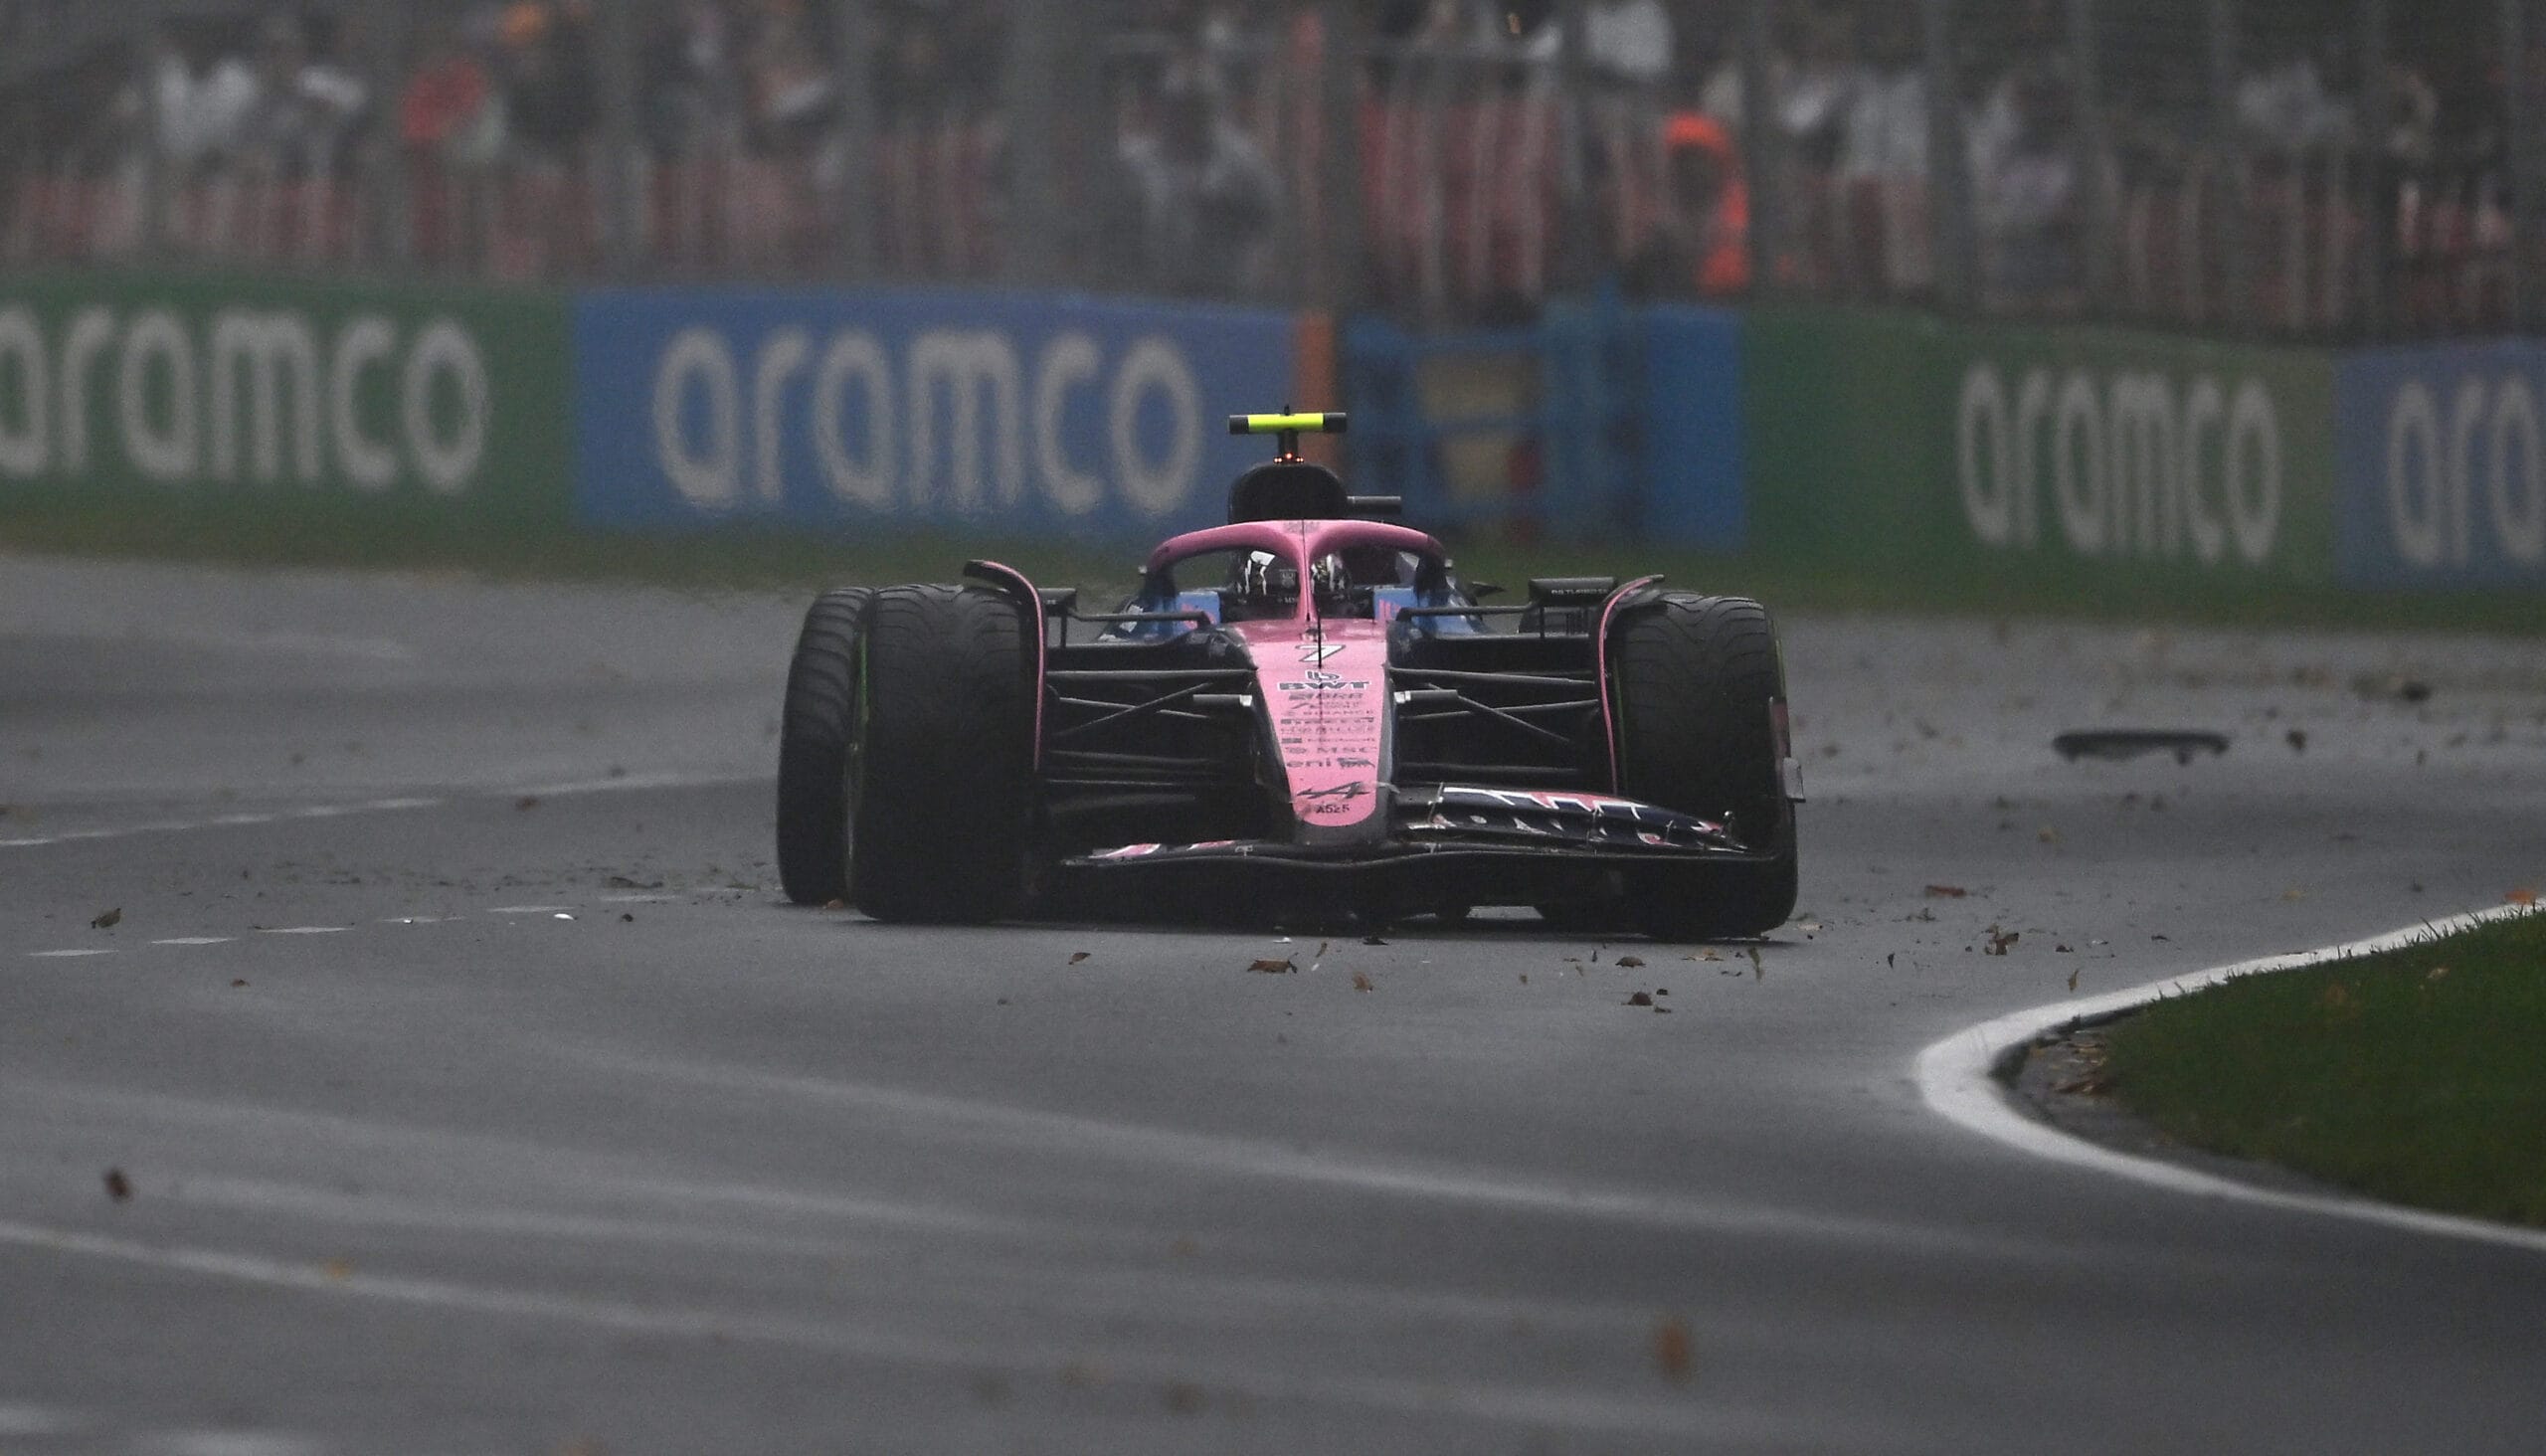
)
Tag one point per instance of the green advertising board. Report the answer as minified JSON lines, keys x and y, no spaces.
{"x":2077,"y":456}
{"x":269,"y":396}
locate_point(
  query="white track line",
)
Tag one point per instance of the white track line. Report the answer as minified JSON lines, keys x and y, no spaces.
{"x":1046,"y":1130}
{"x":1621,"y":1411}
{"x":622,"y":784}
{"x":38,"y":1420}
{"x":1957,"y":1080}
{"x":196,"y":940}
{"x":230,"y":1443}
{"x":301,"y":929}
{"x":65,"y":955}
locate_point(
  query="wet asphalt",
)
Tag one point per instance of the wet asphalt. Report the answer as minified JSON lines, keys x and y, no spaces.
{"x":470,"y":1089}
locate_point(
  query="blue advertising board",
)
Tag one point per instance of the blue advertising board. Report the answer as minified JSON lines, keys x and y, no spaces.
{"x":1696,"y":467}
{"x":2442,"y":458}
{"x":1007,"y":414}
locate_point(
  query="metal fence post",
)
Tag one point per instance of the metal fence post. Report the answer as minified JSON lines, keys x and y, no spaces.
{"x":853,"y":61}
{"x":2521,"y":164}
{"x":1957,"y":241}
{"x":616,"y":191}
{"x":2229,"y":235}
{"x":1762,"y":144}
{"x":1574,"y":223}
{"x":2378,"y":238}
{"x":385,"y":192}
{"x":2095,"y":155}
{"x":1341,"y":167}
{"x":1030,"y":90}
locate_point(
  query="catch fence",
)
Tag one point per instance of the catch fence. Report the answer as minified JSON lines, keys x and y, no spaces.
{"x":2310,"y":169}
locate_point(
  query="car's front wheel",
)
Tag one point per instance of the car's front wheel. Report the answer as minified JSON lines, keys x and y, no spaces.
{"x":941,"y":764}
{"x":1701,"y":694}
{"x":813,"y":749}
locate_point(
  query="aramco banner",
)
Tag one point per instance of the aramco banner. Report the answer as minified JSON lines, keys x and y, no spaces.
{"x":984,"y":411}
{"x":1900,"y":439}
{"x":265,"y":394}
{"x":2443,"y":466}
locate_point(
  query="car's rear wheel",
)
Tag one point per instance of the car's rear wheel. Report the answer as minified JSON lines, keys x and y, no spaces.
{"x":812,"y":748}
{"x":941,"y":771}
{"x":1701,"y":693}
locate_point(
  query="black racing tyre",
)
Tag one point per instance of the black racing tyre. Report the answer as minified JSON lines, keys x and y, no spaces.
{"x":813,"y":744}
{"x":1701,"y":689}
{"x":941,"y":767}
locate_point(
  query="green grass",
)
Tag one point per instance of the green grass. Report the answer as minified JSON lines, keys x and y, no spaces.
{"x":318,"y":532}
{"x":2418,"y":1076}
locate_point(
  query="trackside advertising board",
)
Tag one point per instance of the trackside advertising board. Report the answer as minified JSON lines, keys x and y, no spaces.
{"x":268,"y":396}
{"x":2443,"y":466}
{"x":2078,"y":455}
{"x":989,"y":412}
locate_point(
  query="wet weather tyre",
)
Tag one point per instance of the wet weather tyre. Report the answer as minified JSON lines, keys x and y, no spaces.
{"x":941,"y":769}
{"x":1701,"y":694}
{"x":813,"y":749}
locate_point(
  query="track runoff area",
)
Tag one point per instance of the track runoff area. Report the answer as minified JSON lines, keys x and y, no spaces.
{"x":410,"y":1049}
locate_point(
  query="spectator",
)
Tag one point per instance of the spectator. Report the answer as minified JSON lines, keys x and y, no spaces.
{"x":1813,"y":102}
{"x":1628,"y":42}
{"x":1883,"y":162}
{"x":1206,"y":197}
{"x":338,"y":96}
{"x":691,"y":93}
{"x":1704,"y":244}
{"x":792,"y":92}
{"x":275,"y":132}
{"x":451,"y":112}
{"x":199,"y":99}
{"x":2287,"y":107}
{"x":550,"y":92}
{"x":2027,"y":200}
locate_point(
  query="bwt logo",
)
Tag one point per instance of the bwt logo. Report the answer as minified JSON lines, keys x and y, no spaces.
{"x":2136,"y":467}
{"x":2485,"y":441}
{"x":262,"y":397}
{"x":720,"y":427}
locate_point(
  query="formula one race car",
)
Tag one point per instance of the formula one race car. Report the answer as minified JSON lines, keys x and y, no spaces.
{"x":1300,"y":713}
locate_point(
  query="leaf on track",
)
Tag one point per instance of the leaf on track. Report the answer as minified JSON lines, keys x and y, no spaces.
{"x":527,"y":800}
{"x":1640,"y":999}
{"x":108,"y":921}
{"x":2521,"y":897}
{"x":1373,"y":940}
{"x":1361,"y":981}
{"x":1946,"y":892}
{"x":1078,"y":956}
{"x":1630,"y":963}
{"x":2000,"y":941}
{"x":1675,"y":1350}
{"x":118,"y":1186}
{"x":1273,"y":968}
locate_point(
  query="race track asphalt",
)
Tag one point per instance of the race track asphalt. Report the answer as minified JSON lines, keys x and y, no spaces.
{"x":472,"y":1091}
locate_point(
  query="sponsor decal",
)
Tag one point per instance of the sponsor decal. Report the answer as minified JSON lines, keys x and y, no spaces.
{"x":2122,"y":464}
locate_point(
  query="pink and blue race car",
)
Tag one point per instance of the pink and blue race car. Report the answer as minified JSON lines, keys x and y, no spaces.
{"x":1301,"y":714}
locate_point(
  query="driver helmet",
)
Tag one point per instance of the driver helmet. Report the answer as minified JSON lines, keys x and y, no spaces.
{"x":1265,"y":585}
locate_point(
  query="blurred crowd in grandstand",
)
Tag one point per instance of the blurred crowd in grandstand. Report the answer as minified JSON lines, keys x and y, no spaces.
{"x":2291,"y":177}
